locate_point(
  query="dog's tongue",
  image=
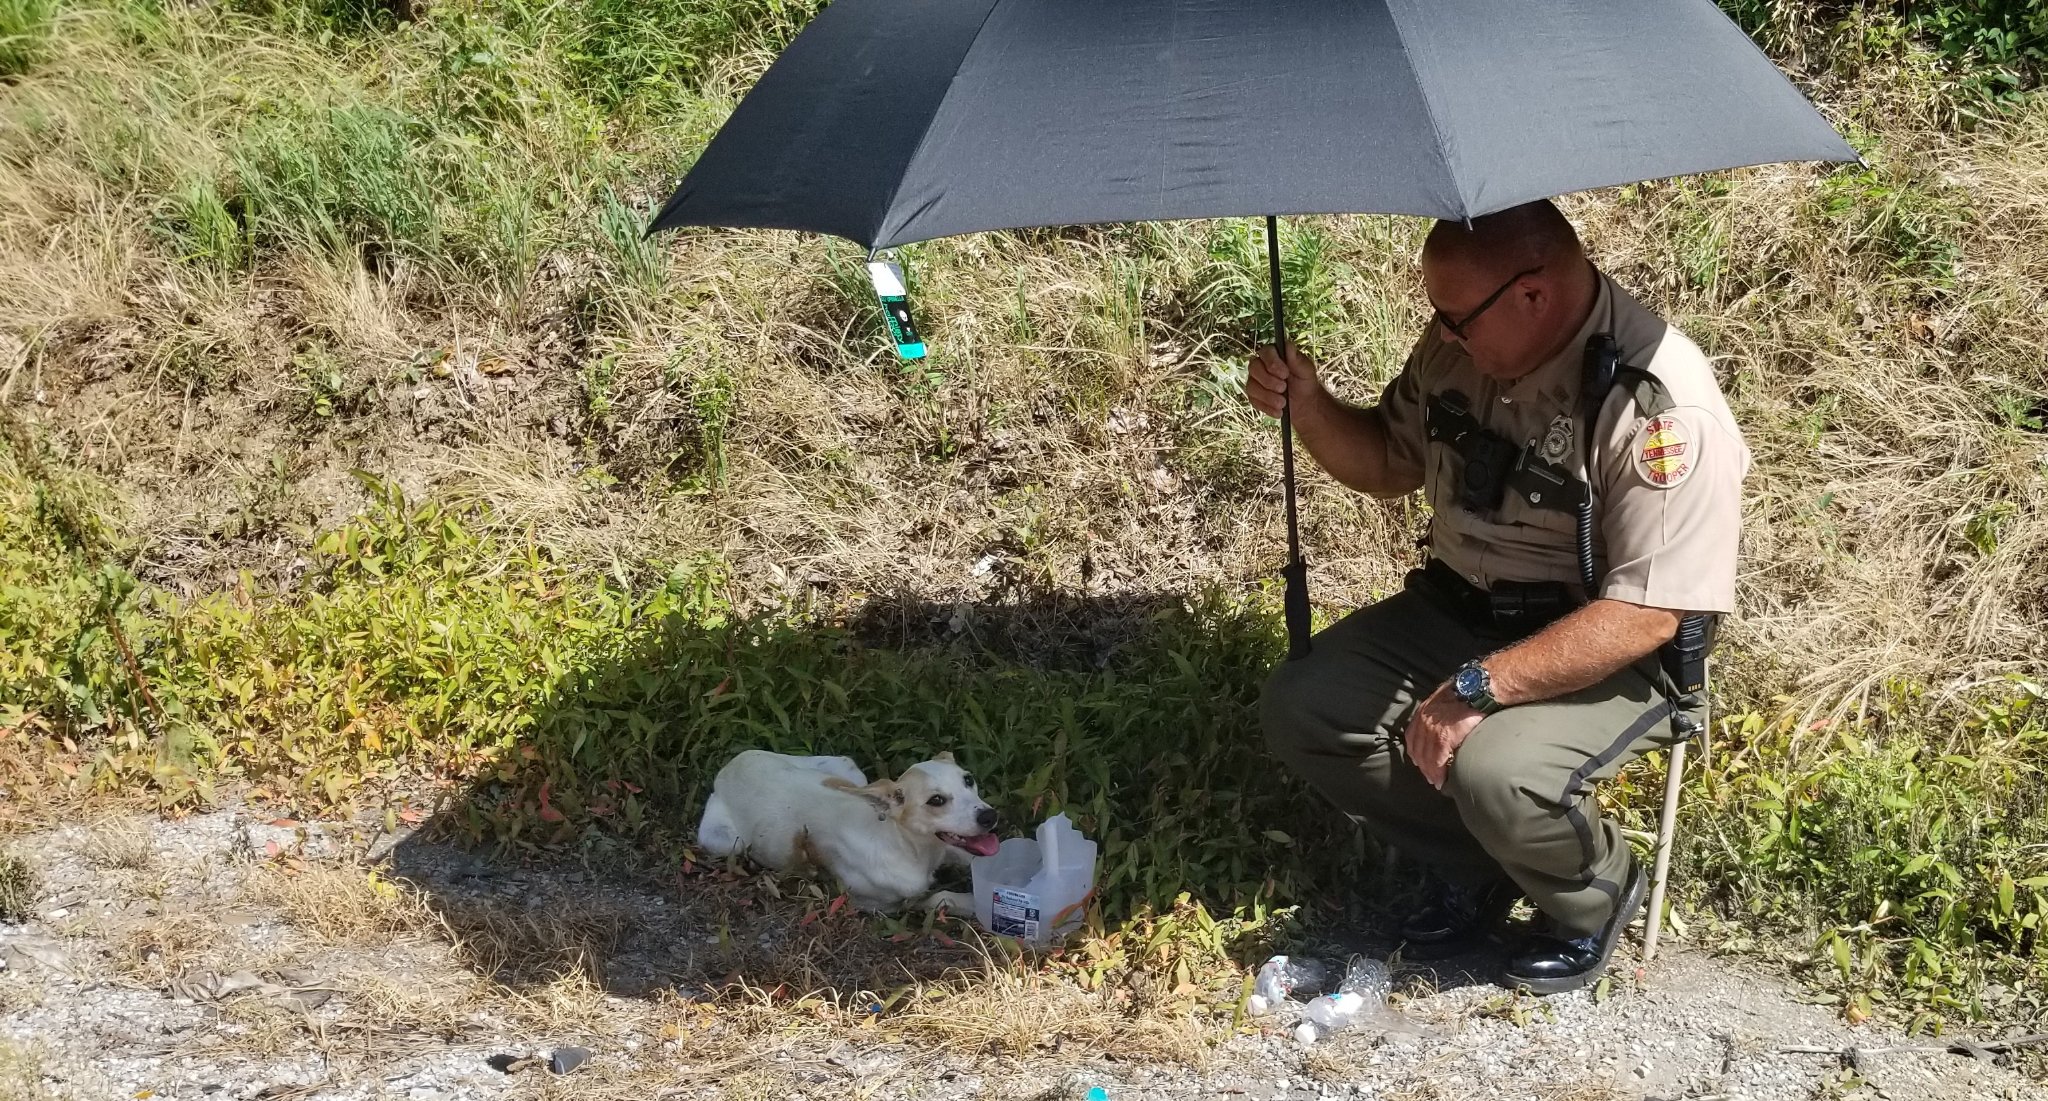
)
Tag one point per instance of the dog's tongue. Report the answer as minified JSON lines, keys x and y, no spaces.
{"x":982,"y":845}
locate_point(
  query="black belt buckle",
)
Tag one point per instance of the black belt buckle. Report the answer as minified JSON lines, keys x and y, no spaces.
{"x":1525,"y":605}
{"x":1468,"y":599}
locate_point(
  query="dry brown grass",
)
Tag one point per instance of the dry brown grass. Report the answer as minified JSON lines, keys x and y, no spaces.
{"x":19,"y":887}
{"x":431,"y":1004}
{"x":340,"y":902}
{"x":259,"y":1028}
{"x":174,"y":944}
{"x":551,"y":946}
{"x":1013,"y":1012}
{"x":21,"y":1073}
{"x":119,"y":844}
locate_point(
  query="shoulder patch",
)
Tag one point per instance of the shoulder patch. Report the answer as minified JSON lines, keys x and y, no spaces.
{"x":1664,"y":452}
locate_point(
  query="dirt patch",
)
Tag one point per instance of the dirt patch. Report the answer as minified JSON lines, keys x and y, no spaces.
{"x":232,"y":955}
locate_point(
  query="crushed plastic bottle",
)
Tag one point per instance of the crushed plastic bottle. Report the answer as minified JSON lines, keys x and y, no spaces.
{"x":1362,"y":994}
{"x":1282,"y":976}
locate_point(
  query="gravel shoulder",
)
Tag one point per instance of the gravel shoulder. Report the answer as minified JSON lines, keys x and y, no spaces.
{"x":231,"y":955}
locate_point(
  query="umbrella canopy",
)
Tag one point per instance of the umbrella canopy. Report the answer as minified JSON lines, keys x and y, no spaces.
{"x":892,"y":121}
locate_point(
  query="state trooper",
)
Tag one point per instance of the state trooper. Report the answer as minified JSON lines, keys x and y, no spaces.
{"x":1584,"y":476}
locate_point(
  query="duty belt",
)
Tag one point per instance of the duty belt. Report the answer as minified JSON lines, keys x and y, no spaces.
{"x":1519,"y":607}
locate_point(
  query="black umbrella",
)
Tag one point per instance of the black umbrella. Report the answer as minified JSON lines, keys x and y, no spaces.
{"x":892,"y":121}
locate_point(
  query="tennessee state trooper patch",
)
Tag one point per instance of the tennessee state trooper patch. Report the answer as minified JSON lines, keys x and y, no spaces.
{"x":1664,"y":452}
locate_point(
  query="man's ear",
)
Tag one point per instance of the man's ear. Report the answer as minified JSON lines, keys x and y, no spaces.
{"x":945,"y":755}
{"x":884,"y":795}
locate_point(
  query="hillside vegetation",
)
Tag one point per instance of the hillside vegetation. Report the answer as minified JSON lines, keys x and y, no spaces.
{"x":356,"y":440}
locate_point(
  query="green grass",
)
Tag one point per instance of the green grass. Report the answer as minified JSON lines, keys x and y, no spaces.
{"x":621,"y":51}
{"x":341,"y":179}
{"x":1918,"y":868}
{"x":24,"y":26}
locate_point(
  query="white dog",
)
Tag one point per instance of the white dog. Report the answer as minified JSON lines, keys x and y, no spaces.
{"x":884,"y":841}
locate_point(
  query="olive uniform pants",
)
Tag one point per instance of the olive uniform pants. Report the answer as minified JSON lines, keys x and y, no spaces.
{"x":1518,"y":798}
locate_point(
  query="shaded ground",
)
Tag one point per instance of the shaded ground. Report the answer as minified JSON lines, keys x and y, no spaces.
{"x":381,"y":965}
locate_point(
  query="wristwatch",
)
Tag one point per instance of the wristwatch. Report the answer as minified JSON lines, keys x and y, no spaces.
{"x":1474,"y":685}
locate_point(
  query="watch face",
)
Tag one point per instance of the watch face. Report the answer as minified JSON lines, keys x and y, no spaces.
{"x":1469,"y":682}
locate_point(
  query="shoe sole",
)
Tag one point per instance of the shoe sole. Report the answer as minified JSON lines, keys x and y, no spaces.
{"x":1624,"y":914}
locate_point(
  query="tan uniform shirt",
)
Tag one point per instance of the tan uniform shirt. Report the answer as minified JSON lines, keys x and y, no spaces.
{"x":1667,"y":489}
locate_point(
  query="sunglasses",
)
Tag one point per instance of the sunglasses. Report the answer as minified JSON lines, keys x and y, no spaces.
{"x":1457,"y":328}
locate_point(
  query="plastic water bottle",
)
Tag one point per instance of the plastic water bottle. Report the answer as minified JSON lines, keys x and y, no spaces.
{"x":1363,"y":993}
{"x":1282,"y":976}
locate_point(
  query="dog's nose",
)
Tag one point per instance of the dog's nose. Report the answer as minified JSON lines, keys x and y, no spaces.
{"x":985,"y":818}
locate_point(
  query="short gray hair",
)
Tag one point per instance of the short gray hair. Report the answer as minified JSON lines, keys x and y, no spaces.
{"x":1515,"y":239}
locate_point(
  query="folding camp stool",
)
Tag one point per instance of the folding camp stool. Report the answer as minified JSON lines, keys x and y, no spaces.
{"x":1667,"y":832}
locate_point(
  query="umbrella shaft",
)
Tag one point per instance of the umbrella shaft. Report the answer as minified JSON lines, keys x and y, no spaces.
{"x":1286,"y":403}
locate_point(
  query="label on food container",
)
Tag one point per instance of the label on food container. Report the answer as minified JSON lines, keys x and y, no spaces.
{"x":1015,"y":914}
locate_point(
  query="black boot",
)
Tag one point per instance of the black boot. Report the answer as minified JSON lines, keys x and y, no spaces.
{"x":1457,"y":918}
{"x":1551,"y":962}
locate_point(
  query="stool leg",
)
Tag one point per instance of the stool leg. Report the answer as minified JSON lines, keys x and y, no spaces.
{"x":1674,"y":775}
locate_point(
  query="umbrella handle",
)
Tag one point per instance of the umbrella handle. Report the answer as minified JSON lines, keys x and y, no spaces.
{"x":1295,"y":601}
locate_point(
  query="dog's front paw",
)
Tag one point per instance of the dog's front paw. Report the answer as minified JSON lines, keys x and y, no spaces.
{"x":953,"y":901}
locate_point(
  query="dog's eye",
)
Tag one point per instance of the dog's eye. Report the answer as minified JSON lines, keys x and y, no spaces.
{"x":936,"y":801}
{"x":967,"y":778}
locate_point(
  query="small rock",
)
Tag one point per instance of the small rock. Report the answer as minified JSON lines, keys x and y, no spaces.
{"x":567,"y":1059}
{"x":19,"y":953}
{"x":307,"y":999}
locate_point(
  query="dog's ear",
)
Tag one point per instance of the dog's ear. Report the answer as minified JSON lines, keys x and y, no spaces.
{"x":883,"y":794}
{"x":945,"y":755}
